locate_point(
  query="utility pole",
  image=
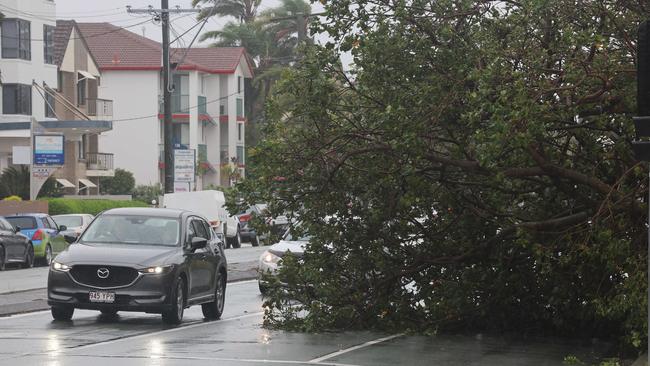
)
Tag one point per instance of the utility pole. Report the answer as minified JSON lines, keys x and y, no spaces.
{"x":168,"y":148}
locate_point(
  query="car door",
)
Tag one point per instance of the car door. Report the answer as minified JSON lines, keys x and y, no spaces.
{"x":10,"y":244}
{"x":57,"y":240}
{"x":200,"y":268}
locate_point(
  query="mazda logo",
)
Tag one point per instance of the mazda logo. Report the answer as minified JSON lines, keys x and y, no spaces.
{"x":102,"y":273}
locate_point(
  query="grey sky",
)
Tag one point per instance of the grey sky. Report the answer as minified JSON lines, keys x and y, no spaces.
{"x":114,"y":11}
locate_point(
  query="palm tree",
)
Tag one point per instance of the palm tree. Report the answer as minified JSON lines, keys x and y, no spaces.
{"x":244,"y":11}
{"x":270,"y":38}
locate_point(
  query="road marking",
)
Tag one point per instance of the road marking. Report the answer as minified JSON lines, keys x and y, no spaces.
{"x":15,"y":316}
{"x":359,"y":346}
{"x":165,"y":331}
{"x":196,"y":358}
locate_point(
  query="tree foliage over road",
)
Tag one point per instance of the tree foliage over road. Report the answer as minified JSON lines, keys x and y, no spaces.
{"x":475,"y":166}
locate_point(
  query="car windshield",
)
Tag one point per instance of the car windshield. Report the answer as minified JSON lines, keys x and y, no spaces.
{"x":131,"y":229}
{"x":68,"y":221}
{"x":24,"y":222}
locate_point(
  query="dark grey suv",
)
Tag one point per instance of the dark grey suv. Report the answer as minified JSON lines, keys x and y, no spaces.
{"x":141,"y":259}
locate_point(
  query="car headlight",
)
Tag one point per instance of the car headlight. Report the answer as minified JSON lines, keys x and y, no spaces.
{"x":157,"y":269}
{"x":60,"y":267}
{"x":269,"y":257}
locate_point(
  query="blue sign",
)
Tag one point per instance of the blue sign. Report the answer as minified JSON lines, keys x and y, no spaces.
{"x":48,"y":150}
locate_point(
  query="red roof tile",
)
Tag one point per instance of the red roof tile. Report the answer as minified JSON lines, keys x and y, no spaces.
{"x":116,"y":48}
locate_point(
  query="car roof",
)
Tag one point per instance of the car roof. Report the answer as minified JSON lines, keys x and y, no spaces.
{"x":71,"y":215}
{"x":147,"y":211}
{"x":28,"y":215}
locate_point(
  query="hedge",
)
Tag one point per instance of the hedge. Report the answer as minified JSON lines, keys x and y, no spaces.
{"x":61,"y":206}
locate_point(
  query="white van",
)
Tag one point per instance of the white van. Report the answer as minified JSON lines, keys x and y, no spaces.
{"x":210,"y":204}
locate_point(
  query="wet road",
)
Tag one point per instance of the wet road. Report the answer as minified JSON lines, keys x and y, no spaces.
{"x":239,"y":339}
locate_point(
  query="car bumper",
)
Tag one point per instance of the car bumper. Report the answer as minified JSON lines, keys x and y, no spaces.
{"x":148,"y":293}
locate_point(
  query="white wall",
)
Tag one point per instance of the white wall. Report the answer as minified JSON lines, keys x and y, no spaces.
{"x":134,"y":143}
{"x":24,"y":71}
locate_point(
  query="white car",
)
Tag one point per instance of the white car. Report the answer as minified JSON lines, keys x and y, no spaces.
{"x":211,"y":204}
{"x":75,"y":223}
{"x":271,"y":259}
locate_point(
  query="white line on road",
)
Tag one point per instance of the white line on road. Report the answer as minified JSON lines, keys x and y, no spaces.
{"x":165,"y":331}
{"x":195,"y":358}
{"x":350,"y":349}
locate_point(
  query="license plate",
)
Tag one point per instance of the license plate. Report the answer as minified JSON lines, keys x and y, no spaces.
{"x":100,"y":296}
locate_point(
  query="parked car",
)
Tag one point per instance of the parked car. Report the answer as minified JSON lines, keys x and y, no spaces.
{"x":14,"y":247}
{"x":211,"y":204}
{"x":48,"y":238}
{"x":141,"y":259}
{"x":278,"y":225}
{"x":76,"y":223}
{"x":271,"y":260}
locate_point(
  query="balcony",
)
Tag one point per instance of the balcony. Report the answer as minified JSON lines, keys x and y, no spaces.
{"x":100,"y":109}
{"x":181,"y":104}
{"x":99,"y":165}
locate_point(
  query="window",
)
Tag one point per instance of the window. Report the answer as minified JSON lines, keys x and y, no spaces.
{"x":16,"y":39}
{"x":49,"y":105}
{"x":17,"y":99}
{"x":52,"y":224}
{"x":81,"y":92}
{"x":239,"y":131}
{"x":48,"y":44}
{"x":82,"y":147}
{"x":46,"y":224}
{"x":191,"y":233}
{"x":240,"y":107}
{"x":240,"y":155}
{"x":222,"y":109}
{"x":238,"y":84}
{"x":199,"y":229}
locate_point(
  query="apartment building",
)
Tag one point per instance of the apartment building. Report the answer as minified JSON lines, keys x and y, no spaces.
{"x":207,"y":104}
{"x":45,"y":70}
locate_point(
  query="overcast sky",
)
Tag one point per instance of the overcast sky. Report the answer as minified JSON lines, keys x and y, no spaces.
{"x":114,"y":11}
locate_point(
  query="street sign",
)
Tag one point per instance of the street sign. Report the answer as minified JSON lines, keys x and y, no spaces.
{"x":184,"y":165}
{"x":49,"y":150}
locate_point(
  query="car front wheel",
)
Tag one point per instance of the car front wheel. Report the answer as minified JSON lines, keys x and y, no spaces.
{"x":63,"y":313}
{"x":175,"y":314}
{"x":213,"y":310}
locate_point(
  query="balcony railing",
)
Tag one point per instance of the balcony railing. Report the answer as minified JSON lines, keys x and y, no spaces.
{"x":101,"y":109}
{"x":202,"y":105}
{"x":99,"y":161}
{"x":181,"y":104}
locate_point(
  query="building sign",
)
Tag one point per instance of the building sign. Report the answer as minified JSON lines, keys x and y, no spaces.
{"x":181,"y":187}
{"x":48,"y":150}
{"x":184,"y":165}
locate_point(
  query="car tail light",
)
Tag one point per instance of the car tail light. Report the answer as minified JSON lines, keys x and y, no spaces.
{"x":38,"y":235}
{"x":244,"y":218}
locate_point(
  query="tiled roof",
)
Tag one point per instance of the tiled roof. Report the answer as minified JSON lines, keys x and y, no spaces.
{"x":116,"y":48}
{"x":61,"y":37}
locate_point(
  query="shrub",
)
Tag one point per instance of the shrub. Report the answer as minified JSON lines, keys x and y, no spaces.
{"x":60,"y":206}
{"x":121,"y":183}
{"x":13,"y":198}
{"x":147,"y":193}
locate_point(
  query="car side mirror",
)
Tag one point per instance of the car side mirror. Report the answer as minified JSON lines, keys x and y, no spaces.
{"x":17,"y":229}
{"x":198,"y":243}
{"x":63,"y":228}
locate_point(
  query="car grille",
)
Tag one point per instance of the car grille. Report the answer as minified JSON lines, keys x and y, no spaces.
{"x":117,"y":276}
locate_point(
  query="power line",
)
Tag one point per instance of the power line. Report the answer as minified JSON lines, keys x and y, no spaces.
{"x":117,"y":29}
{"x":188,"y":108}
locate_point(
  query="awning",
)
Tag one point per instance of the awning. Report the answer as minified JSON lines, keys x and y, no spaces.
{"x":87,"y":183}
{"x":86,"y":75}
{"x":65,"y":183}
